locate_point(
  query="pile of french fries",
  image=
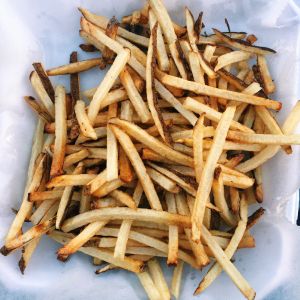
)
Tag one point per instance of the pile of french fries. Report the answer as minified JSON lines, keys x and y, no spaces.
{"x":162,"y":158}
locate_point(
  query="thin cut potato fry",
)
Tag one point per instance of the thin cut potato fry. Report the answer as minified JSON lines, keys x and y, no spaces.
{"x":152,"y":142}
{"x":112,"y":168}
{"x":139,"y":167}
{"x":126,"y":172}
{"x":208,"y":171}
{"x":68,"y":180}
{"x":195,"y":67}
{"x":60,"y":132}
{"x":176,"y":279}
{"x":173,"y":232}
{"x":103,"y":21}
{"x":125,"y":227}
{"x":231,"y":58}
{"x":85,"y":126}
{"x":123,"y":198}
{"x":124,"y":213}
{"x":134,"y":96}
{"x":107,"y":187}
{"x":199,"y":88}
{"x":75,"y":157}
{"x":269,"y":86}
{"x":76,"y":67}
{"x":243,"y":46}
{"x":38,"y":108}
{"x":198,"y":134}
{"x":148,"y":284}
{"x":104,"y":87}
{"x":159,"y":279}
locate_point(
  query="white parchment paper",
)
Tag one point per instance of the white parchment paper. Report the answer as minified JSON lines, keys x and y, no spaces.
{"x":36,"y":30}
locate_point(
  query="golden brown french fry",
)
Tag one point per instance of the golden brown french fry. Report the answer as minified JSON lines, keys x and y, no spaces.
{"x":112,"y":168}
{"x":139,"y":167}
{"x":126,"y":172}
{"x":106,"y":84}
{"x":60,"y":132}
{"x":234,"y":200}
{"x":123,"y":198}
{"x":76,"y":67}
{"x":208,"y":171}
{"x":68,"y":180}
{"x":76,"y":157}
{"x":85,"y":126}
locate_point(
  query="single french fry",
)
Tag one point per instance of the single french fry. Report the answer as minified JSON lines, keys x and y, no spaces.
{"x":176,"y":279}
{"x":126,"y":172}
{"x":38,"y":108}
{"x":106,"y":84}
{"x":173,"y":232}
{"x":76,"y":157}
{"x":112,"y":168}
{"x":123,"y":198}
{"x":269,"y":86}
{"x":148,"y":284}
{"x":231,"y":58}
{"x":208,"y":171}
{"x":198,"y":135}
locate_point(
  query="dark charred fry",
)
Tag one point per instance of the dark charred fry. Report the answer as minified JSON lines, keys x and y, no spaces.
{"x":88,"y":47}
{"x":45,"y":80}
{"x":37,"y":108}
{"x":227,"y":24}
{"x":255,"y":217}
{"x":111,"y":31}
{"x":199,"y":25}
{"x":251,"y":38}
{"x":74,"y":83}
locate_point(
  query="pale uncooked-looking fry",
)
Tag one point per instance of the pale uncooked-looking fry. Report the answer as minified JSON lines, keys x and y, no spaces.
{"x":100,"y":132}
{"x":176,"y":279}
{"x":220,"y":201}
{"x":76,"y":67}
{"x":139,"y":167}
{"x":151,"y":95}
{"x":216,"y":269}
{"x":75,"y":157}
{"x":163,"y":181}
{"x":231,"y":58}
{"x":134,"y":96}
{"x":85,"y":126}
{"x":162,"y":56}
{"x":211,"y":114}
{"x":42,"y":94}
{"x":73,"y":245}
{"x":173,"y":232}
{"x":126,"y":111}
{"x":197,"y":248}
{"x":112,"y":168}
{"x":68,"y":180}
{"x":60,"y":132}
{"x":199,"y":88}
{"x":195,"y":67}
{"x":26,"y":206}
{"x":159,"y":279}
{"x":148,"y":285}
{"x":198,"y":135}
{"x":123,"y":198}
{"x":269,"y":86}
{"x":186,"y":186}
{"x":151,"y":142}
{"x":66,"y":198}
{"x":208,"y":171}
{"x":106,"y":84}
{"x":125,"y":227}
{"x":116,"y":213}
{"x":242,"y":46}
{"x":102,"y":22}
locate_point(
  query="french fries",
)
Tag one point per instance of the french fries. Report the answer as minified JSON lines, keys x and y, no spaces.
{"x":156,"y":159}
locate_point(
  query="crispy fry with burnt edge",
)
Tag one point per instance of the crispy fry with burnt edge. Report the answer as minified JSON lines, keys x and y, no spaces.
{"x":111,"y":31}
{"x":208,"y":171}
{"x":150,"y":87}
{"x":139,"y":167}
{"x":106,"y":84}
{"x":45,"y":80}
{"x":87,"y":47}
{"x":126,"y":172}
{"x":242,"y":45}
{"x":38,"y":108}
